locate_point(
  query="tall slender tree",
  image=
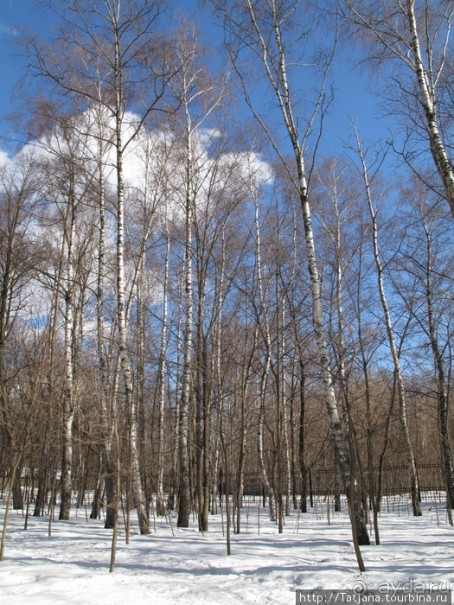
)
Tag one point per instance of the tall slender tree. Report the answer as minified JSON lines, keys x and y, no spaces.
{"x":415,"y":37}
{"x":113,"y":45}
{"x":390,"y":332}
{"x":264,"y":28}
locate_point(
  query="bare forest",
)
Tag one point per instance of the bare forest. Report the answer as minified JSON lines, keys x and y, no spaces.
{"x":201,"y":297}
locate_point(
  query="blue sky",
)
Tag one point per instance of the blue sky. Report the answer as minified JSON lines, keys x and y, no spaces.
{"x":353,"y":94}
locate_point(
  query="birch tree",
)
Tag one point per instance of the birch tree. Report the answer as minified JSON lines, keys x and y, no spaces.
{"x":414,"y":36}
{"x":437,"y":347}
{"x":264,"y":28}
{"x":64,"y":189}
{"x":107,"y":420}
{"x":68,"y":244}
{"x":402,"y":397}
{"x":198,"y":97}
{"x":262,"y":380}
{"x":369,"y":340}
{"x":422,"y":281}
{"x":160,"y":501}
{"x":112,"y":44}
{"x":18,"y":186}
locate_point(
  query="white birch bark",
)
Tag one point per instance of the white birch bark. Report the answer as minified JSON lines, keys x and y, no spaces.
{"x":265,"y":38}
{"x":285,"y":428}
{"x":246,"y":370}
{"x":178,"y":399}
{"x":429,"y":104}
{"x":107,"y":415}
{"x":160,"y":503}
{"x":391,"y":340}
{"x":112,"y":38}
{"x":220,"y":403}
{"x":395,"y":26}
{"x":189,"y":92}
{"x":68,"y":402}
{"x":184,"y":498}
{"x":137,"y":491}
{"x":266,"y":369}
{"x":372,"y":474}
{"x":282,"y":92}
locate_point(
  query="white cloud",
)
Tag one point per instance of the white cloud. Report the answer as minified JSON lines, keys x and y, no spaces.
{"x":154,"y":166}
{"x":4,"y":158}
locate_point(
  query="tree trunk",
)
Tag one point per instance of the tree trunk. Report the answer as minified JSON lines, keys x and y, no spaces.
{"x":392,"y":345}
{"x":160,"y":503}
{"x":442,"y":394}
{"x":265,"y":372}
{"x":279,"y":82}
{"x":107,"y":415}
{"x":427,"y":99}
{"x":184,"y":496}
{"x":131,"y":407}
{"x":68,"y":397}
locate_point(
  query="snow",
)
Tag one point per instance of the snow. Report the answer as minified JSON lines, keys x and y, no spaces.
{"x":185,"y":566}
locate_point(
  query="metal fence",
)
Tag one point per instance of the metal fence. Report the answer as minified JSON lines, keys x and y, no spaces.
{"x":323,"y":481}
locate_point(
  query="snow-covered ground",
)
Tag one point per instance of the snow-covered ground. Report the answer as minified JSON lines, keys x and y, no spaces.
{"x":173,"y":566}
